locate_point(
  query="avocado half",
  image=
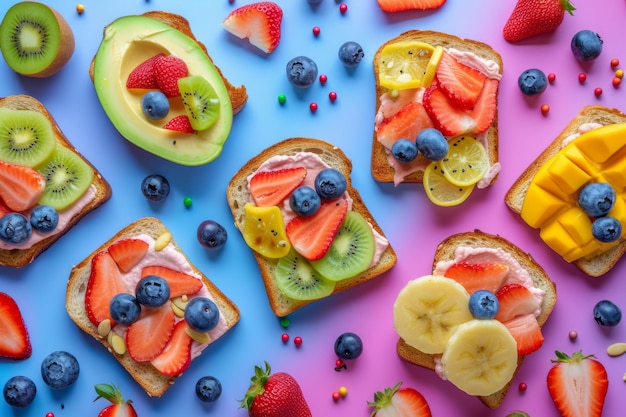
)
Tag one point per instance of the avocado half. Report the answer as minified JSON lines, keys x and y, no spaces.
{"x":127,"y":42}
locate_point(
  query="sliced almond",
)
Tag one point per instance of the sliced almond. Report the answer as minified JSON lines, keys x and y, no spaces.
{"x":616,"y":349}
{"x":162,"y":241}
{"x":200,"y":337}
{"x":178,"y":312}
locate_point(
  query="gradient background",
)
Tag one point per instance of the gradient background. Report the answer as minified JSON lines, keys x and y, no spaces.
{"x":413,"y":225}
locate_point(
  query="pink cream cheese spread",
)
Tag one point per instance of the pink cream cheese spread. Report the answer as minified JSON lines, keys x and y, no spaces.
{"x":582,"y":129}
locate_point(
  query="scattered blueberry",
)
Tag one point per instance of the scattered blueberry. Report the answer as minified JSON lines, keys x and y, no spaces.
{"x":155,"y":187}
{"x":330,"y":184}
{"x":532,"y":82}
{"x":432,"y":144}
{"x":211,"y":234}
{"x":350,"y":54}
{"x":124,"y":308}
{"x":202,"y":314}
{"x":304,"y":201}
{"x":586,"y":45}
{"x":155,"y":105}
{"x":597,"y":198}
{"x":19,"y":391}
{"x":301,"y":71}
{"x":314,"y":1}
{"x":483,"y":304}
{"x":60,"y":369}
{"x":606,"y":229}
{"x":15,"y":228}
{"x":152,"y":291}
{"x":208,"y":389}
{"x":404,"y":150}
{"x":348,"y":346}
{"x":606,"y":313}
{"x":44,"y":218}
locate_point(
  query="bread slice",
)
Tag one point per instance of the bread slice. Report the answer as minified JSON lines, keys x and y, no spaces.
{"x":238,"y":195}
{"x":380,"y":168}
{"x":514,"y":198}
{"x":152,"y":381}
{"x":238,"y":95}
{"x":22,"y":257}
{"x":477,"y":239}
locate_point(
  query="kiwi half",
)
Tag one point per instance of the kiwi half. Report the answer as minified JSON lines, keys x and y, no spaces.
{"x":351,"y":252}
{"x":35,"y":39}
{"x":67,"y":178}
{"x":296,"y":278}
{"x":201,"y":102}
{"x":26,"y":137}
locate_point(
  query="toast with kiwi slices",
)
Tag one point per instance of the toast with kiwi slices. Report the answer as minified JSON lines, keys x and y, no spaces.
{"x":305,"y":256}
{"x":43,"y":177}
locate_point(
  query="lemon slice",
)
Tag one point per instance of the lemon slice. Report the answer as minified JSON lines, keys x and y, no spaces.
{"x":441,"y":191}
{"x":466,"y":162}
{"x":410,"y":64}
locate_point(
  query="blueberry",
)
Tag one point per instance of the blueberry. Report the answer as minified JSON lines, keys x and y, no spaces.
{"x":314,"y":1}
{"x":404,"y":150}
{"x":152,"y":291}
{"x":211,"y":234}
{"x":44,"y":218}
{"x":597,"y":198}
{"x":155,"y":187}
{"x":586,"y":45}
{"x":432,"y":144}
{"x":606,"y":313}
{"x":330,"y":184}
{"x":59,"y":369}
{"x":483,"y":304}
{"x":304,"y":201}
{"x":19,"y":391}
{"x":124,"y":308}
{"x":202,"y":314}
{"x":155,"y":105}
{"x":348,"y":346}
{"x":301,"y":71}
{"x":606,"y":229}
{"x":532,"y":82}
{"x":208,"y":389}
{"x":350,"y":54}
{"x":15,"y":228}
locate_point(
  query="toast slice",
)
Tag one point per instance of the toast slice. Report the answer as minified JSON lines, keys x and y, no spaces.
{"x":446,"y":251}
{"x":602,"y":263}
{"x":153,"y":382}
{"x":238,"y":195}
{"x":22,"y":257}
{"x":381,"y":170}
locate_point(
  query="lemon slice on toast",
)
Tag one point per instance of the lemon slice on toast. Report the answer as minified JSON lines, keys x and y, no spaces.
{"x":409,"y":64}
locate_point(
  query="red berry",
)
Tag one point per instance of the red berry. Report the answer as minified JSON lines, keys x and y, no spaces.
{"x":297,"y":341}
{"x":582,"y":77}
{"x":343,"y":7}
{"x":332,"y":96}
{"x":597,"y":91}
{"x":316,"y":30}
{"x":336,"y":396}
{"x":285,"y":337}
{"x":545,"y":109}
{"x":313,"y":106}
{"x":614,"y":62}
{"x":323,"y":78}
{"x":523,"y":386}
{"x":551,"y":77}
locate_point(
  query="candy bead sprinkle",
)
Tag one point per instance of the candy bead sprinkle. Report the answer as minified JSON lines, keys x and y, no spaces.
{"x":80,"y":8}
{"x":343,"y":8}
{"x":522,"y":386}
{"x":297,"y":341}
{"x":187,"y":201}
{"x":573,"y":335}
{"x":313,"y":107}
{"x":545,"y":109}
{"x":282,"y":98}
{"x":582,"y":77}
{"x":316,"y":30}
{"x":597,"y":92}
{"x":343,"y":391}
{"x":336,"y":396}
{"x":284,"y":337}
{"x":323,"y":78}
{"x":614,"y":62}
{"x":551,"y":77}
{"x":332,"y":96}
{"x":619,"y":73}
{"x":284,"y":322}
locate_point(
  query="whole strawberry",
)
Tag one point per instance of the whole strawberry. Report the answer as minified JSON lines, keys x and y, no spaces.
{"x":534,"y":17}
{"x":274,"y":395}
{"x":119,"y":407}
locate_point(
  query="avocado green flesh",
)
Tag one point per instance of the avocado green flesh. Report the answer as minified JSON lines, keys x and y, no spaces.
{"x":127,"y":42}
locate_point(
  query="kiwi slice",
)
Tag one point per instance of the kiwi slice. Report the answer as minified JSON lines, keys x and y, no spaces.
{"x":67,"y":178}
{"x":351,"y":252}
{"x":201,"y":102}
{"x":26,"y":137}
{"x":296,"y":278}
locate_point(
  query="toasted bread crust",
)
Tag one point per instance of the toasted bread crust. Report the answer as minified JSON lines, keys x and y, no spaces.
{"x":514,"y":198}
{"x":237,"y":195}
{"x":445,"y":251}
{"x":151,"y":380}
{"x":381,"y":171}
{"x":22,"y":257}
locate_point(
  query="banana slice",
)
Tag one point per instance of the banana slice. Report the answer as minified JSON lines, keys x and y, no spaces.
{"x":428,"y":311}
{"x":480,"y":357}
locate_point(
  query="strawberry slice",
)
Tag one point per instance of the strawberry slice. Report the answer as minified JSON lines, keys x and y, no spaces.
{"x":311,"y":236}
{"x":179,"y":282}
{"x":515,"y":300}
{"x":484,"y":111}
{"x":4,"y":209}
{"x":180,"y":124}
{"x":128,"y":252}
{"x":401,"y":5}
{"x":478,"y":276}
{"x":270,"y":188}
{"x":147,"y":337}
{"x":406,"y":123}
{"x":526,"y":332}
{"x":461,"y":83}
{"x":20,"y":186}
{"x":176,"y":357}
{"x":399,"y":402}
{"x":167,"y":71}
{"x":258,"y":22}
{"x":15,"y":342}
{"x":104,"y":283}
{"x":143,"y":75}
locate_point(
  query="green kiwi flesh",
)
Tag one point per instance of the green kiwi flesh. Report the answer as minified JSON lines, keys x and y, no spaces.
{"x":351,"y":252}
{"x":201,"y":102}
{"x":67,"y":176}
{"x":296,"y":279}
{"x":26,"y":137}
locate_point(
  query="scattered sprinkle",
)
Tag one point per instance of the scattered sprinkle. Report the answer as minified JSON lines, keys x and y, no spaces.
{"x":551,"y":77}
{"x":187,"y":201}
{"x":313,"y":107}
{"x":285,"y":322}
{"x":336,"y":396}
{"x":49,"y":414}
{"x":573,"y":335}
{"x":343,"y":391}
{"x":80,"y":8}
{"x":522,"y":386}
{"x":616,"y":81}
{"x":316,"y":30}
{"x":332,"y":96}
{"x":619,"y":73}
{"x":597,"y":91}
{"x":614,"y":62}
{"x":545,"y":109}
{"x":339,"y":365}
{"x":582,"y":77}
{"x":282,"y":98}
{"x":323,"y":78}
{"x":343,"y":7}
{"x":284,"y":337}
{"x":297,"y":341}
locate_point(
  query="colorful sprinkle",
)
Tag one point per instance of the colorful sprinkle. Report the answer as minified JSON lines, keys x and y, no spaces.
{"x":297,"y":341}
{"x":313,"y":107}
{"x":551,"y":77}
{"x":343,"y":391}
{"x":619,"y":73}
{"x":187,"y":201}
{"x":284,"y":337}
{"x":343,"y":7}
{"x":523,"y":386}
{"x":597,"y":91}
{"x":316,"y":30}
{"x":49,"y":414}
{"x":336,"y":396}
{"x":80,"y":8}
{"x":545,"y":109}
{"x":573,"y":335}
{"x":332,"y":96}
{"x":282,"y":98}
{"x":616,"y":81}
{"x":285,"y":322}
{"x":339,"y":365}
{"x":323,"y":78}
{"x":614,"y":62}
{"x":582,"y":77}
